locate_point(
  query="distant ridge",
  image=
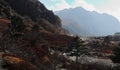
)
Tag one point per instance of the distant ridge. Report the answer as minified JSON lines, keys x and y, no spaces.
{"x":88,"y":23}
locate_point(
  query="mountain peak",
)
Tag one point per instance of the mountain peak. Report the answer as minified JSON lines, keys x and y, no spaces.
{"x":88,"y":23}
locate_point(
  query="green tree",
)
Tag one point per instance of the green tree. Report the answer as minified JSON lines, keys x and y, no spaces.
{"x":107,"y":40}
{"x":76,"y":48}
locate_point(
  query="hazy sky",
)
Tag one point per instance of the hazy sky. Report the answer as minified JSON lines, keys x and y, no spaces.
{"x":107,"y":6}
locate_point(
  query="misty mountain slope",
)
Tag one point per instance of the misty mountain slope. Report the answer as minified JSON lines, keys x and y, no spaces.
{"x":86,"y":23}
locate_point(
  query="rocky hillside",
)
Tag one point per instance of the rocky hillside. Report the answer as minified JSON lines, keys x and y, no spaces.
{"x":33,"y":10}
{"x":28,"y":32}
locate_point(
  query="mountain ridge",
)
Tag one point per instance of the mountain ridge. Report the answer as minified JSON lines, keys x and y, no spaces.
{"x":94,"y":23}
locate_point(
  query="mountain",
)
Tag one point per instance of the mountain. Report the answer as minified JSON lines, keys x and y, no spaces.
{"x":28,"y":33}
{"x":40,"y":15}
{"x":88,"y":23}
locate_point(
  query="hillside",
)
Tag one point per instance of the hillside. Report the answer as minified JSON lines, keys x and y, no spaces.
{"x":27,"y":33}
{"x":88,"y":23}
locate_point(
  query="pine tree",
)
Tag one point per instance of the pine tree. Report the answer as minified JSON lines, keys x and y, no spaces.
{"x":76,"y":48}
{"x":107,"y":40}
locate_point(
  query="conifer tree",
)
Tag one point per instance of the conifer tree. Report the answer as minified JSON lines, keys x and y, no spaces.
{"x":76,"y":48}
